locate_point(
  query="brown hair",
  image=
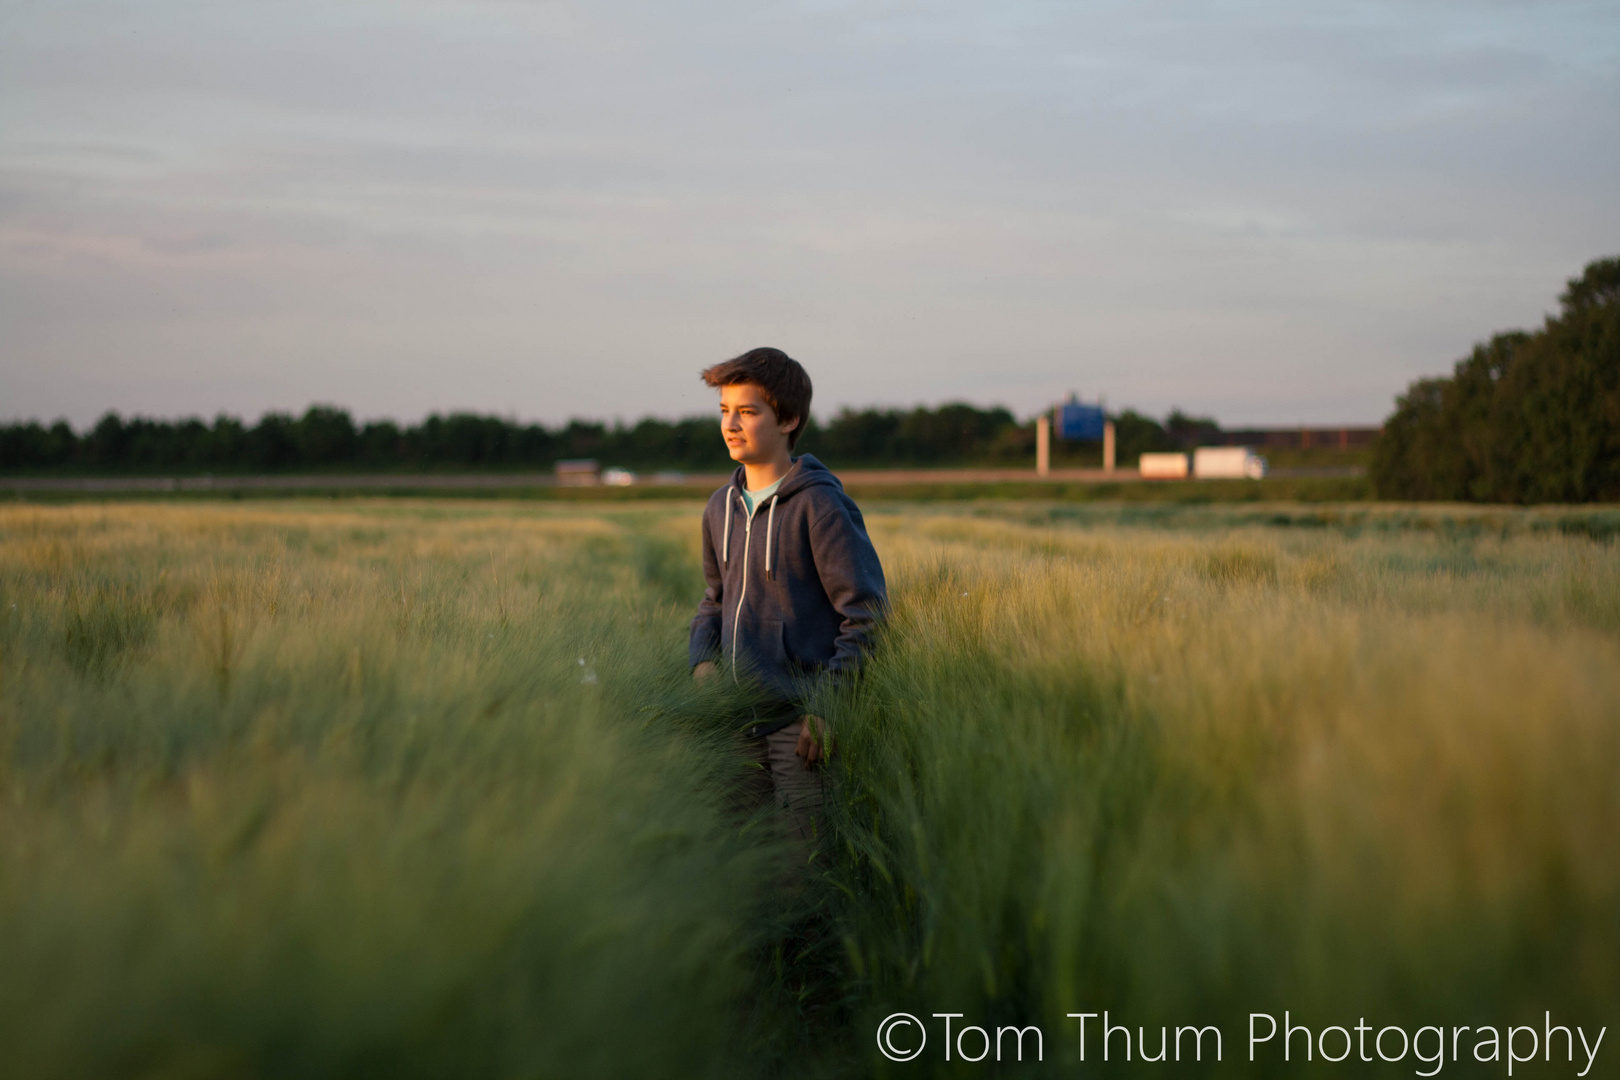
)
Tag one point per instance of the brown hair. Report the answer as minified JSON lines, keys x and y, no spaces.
{"x":785,"y":384}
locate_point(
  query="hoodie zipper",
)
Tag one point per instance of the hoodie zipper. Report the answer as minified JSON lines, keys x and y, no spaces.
{"x":742,"y":593}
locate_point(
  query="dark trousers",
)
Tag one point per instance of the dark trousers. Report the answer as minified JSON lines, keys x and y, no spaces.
{"x":776,"y":781}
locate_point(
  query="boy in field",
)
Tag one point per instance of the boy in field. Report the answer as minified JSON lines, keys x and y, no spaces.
{"x":794,"y":586}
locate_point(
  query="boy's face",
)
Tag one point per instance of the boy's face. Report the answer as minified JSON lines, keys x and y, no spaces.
{"x":753,"y":433}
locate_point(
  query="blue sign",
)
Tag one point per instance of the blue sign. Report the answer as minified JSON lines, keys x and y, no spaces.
{"x":1080,"y":423}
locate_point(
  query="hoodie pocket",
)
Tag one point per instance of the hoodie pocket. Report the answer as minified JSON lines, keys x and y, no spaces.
{"x":772,"y":651}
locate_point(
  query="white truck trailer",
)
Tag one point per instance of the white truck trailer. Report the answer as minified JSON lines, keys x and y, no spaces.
{"x":1163,"y":466}
{"x":1228,"y":463}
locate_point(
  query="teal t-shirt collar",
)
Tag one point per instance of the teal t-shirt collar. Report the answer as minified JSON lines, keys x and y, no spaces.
{"x":752,"y":499}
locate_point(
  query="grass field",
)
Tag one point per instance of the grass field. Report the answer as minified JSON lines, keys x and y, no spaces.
{"x":399,"y":788}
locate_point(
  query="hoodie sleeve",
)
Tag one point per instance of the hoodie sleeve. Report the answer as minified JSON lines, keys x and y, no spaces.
{"x":853,"y":580}
{"x":705,"y":640}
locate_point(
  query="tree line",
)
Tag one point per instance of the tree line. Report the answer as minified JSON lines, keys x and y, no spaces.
{"x":326,"y":438}
{"x":1527,"y":417}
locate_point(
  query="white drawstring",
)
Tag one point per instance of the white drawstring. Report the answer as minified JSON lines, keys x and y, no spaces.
{"x":736,"y":616}
{"x":770,"y":519}
{"x":725,"y":544}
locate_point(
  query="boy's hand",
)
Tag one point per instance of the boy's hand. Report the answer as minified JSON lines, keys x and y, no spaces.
{"x":815,"y":740}
{"x":703,"y":670}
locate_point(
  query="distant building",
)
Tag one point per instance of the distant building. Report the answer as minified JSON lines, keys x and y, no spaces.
{"x":1298,"y":438}
{"x":580,"y":472}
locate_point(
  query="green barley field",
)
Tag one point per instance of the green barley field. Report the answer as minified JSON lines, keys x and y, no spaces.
{"x":396,"y":789}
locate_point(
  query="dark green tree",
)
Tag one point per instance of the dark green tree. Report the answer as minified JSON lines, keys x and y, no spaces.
{"x":32,"y":446}
{"x":1527,"y":417}
{"x":381,"y":446}
{"x":1135,"y":435}
{"x":1185,"y":432}
{"x":272,"y":443}
{"x":325,"y":436}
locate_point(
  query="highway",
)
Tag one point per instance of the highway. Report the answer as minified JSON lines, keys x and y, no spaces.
{"x":505,"y":482}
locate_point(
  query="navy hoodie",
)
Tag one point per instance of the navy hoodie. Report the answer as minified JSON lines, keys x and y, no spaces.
{"x":795,"y":589}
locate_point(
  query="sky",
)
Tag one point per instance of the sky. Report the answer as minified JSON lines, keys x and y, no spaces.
{"x":1268,"y":212}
